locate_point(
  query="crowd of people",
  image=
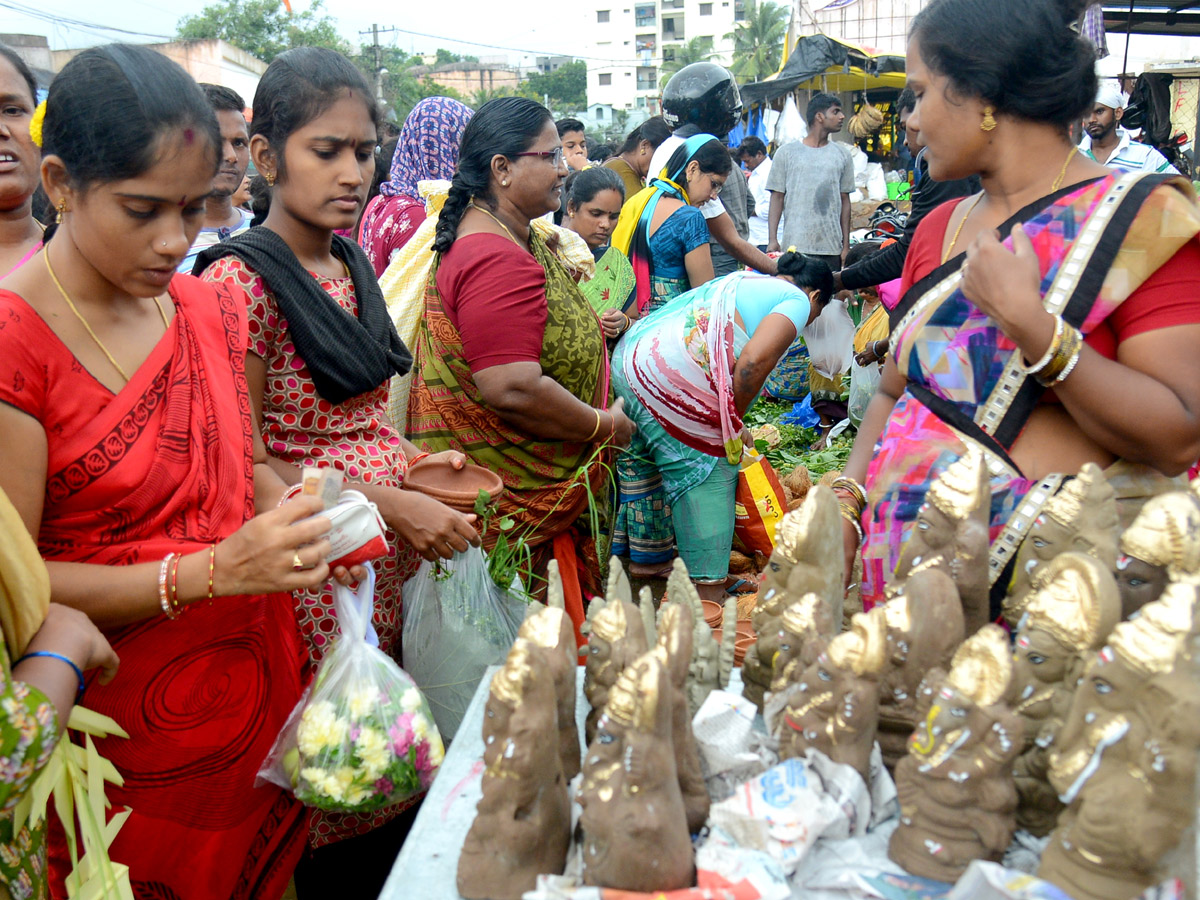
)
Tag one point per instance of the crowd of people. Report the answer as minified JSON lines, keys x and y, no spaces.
{"x":173,"y":352}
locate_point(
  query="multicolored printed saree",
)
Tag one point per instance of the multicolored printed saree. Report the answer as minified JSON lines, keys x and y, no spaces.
{"x":1097,"y":243}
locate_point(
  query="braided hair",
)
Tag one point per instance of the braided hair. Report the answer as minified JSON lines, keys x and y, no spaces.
{"x":502,"y":127}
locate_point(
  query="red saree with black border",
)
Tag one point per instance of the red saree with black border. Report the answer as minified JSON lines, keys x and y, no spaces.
{"x":166,"y":466}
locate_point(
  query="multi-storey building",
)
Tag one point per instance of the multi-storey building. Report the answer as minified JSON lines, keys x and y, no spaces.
{"x":630,"y":40}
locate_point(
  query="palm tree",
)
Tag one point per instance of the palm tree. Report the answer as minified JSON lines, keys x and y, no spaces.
{"x":758,"y":40}
{"x":698,"y":49}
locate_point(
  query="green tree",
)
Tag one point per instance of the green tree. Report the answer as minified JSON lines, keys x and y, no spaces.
{"x":444,"y":57}
{"x":698,"y":49}
{"x":566,"y":87}
{"x":758,"y":40}
{"x":263,"y":28}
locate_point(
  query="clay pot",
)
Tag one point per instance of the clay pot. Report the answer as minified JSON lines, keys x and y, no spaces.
{"x":740,"y":646}
{"x":713,"y":612}
{"x":457,"y":488}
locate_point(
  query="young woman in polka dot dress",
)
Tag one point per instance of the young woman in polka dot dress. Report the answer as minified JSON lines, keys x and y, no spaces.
{"x":313,"y":137}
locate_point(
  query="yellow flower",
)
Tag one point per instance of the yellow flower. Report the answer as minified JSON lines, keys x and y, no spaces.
{"x":436,"y":751}
{"x":362,"y":701}
{"x":372,"y":748}
{"x":320,"y":727}
{"x":410,"y":700}
{"x":36,"y":123}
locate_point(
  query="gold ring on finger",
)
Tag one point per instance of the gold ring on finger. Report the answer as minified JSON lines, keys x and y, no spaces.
{"x":297,"y":563}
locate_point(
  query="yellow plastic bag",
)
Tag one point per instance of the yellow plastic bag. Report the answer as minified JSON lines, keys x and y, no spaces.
{"x":758,"y":505}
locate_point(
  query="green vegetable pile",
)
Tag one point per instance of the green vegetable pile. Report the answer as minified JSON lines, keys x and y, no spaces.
{"x":794,"y":448}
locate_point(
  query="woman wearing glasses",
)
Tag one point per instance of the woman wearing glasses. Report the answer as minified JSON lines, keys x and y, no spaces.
{"x":665,"y":236}
{"x":510,"y":358}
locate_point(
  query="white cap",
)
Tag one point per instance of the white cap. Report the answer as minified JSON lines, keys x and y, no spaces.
{"x":1110,"y":95}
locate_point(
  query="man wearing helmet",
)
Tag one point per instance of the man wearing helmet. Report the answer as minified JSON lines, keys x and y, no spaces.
{"x":703,"y":98}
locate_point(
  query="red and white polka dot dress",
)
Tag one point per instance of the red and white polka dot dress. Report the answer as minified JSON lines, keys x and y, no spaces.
{"x":303,"y":428}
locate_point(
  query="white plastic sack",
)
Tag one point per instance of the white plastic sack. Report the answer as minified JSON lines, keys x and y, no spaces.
{"x":861,"y":165}
{"x":830,"y":339}
{"x":791,"y":125}
{"x":863,"y":382}
{"x":456,"y":624}
{"x":876,"y":182}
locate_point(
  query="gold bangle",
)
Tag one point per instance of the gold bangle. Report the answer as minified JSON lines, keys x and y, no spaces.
{"x":1047,"y":357}
{"x":852,"y":487}
{"x":596,"y":430}
{"x":163,"y":600}
{"x":1064,"y":359}
{"x":849,"y":516}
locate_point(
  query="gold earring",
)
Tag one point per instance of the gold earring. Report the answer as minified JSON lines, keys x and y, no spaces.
{"x":504,"y":183}
{"x":62,"y":208}
{"x":270,"y":179}
{"x":988,"y":123}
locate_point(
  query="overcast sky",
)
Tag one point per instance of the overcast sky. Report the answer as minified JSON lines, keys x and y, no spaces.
{"x":542,"y":26}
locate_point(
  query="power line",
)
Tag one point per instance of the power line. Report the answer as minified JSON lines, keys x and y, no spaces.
{"x":636,"y":61}
{"x":80,"y":24}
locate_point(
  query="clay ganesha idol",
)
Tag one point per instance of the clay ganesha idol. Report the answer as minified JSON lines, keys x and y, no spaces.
{"x":1125,"y":761}
{"x":549,"y":631}
{"x":1082,"y":517}
{"x":1065,"y":623}
{"x":617,"y":638}
{"x":924,"y":628}
{"x":957,"y":800}
{"x":635,"y":834}
{"x":674,"y":650}
{"x":523,"y":821}
{"x":1161,"y":546}
{"x":951,"y":534}
{"x":834,"y":706}
{"x":808,"y":558}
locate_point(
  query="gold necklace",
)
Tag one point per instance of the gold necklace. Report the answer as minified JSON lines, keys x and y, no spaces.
{"x":958,"y":230}
{"x":1062,"y":173}
{"x":498,"y":222}
{"x":83,"y":321}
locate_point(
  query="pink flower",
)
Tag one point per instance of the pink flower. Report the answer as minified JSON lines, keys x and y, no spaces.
{"x":423,"y":763}
{"x":384,"y":787}
{"x":401,"y":734}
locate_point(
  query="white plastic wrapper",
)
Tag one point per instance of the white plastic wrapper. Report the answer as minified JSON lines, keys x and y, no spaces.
{"x":784,"y":811}
{"x":830,"y":339}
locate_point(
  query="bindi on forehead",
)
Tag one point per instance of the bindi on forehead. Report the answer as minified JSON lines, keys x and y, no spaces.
{"x":189,"y":136}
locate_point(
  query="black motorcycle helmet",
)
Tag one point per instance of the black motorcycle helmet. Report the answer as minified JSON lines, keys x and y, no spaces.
{"x":703,"y":94}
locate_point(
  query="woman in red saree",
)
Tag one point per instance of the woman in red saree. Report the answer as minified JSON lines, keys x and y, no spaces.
{"x":114,"y":472}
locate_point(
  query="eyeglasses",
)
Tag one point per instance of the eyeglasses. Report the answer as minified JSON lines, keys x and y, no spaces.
{"x":716,"y":186}
{"x":555,"y":156}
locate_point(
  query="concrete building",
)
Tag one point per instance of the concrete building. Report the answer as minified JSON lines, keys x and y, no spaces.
{"x":873,"y":24}
{"x":470,"y":78}
{"x":631,"y":39}
{"x":212,"y":61}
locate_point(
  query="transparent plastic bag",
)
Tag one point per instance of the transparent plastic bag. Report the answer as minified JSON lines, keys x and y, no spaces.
{"x":457,"y":622}
{"x":830,"y":339}
{"x":362,"y":737}
{"x":863,"y":382}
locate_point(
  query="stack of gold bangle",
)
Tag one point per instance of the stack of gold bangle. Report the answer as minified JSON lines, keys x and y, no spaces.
{"x":851,"y":509}
{"x":1060,"y":357}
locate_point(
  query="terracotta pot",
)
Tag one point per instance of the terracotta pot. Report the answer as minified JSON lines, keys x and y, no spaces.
{"x":740,"y":646}
{"x":457,"y":488}
{"x":713,"y":613}
{"x":745,"y":631}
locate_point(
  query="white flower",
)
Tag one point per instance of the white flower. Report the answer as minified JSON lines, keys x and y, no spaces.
{"x":410,"y":700}
{"x":420,"y":728}
{"x":362,"y":701}
{"x":320,"y":727}
{"x":372,"y":749}
{"x":322,"y":781}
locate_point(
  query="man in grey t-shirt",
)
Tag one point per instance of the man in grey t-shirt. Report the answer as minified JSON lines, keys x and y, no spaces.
{"x":812,"y":180}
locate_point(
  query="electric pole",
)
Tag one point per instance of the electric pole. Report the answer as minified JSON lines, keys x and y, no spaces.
{"x":376,"y":50}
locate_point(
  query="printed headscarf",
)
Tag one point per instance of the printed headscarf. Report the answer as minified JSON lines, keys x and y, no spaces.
{"x":427,"y":148}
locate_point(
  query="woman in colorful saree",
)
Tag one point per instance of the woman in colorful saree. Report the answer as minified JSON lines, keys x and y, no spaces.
{"x":662,"y":231}
{"x":126,"y":445}
{"x":510,"y":359}
{"x":426,"y":150}
{"x":688,"y":373}
{"x":665,"y":236}
{"x":1060,"y":276}
{"x":594,"y":199}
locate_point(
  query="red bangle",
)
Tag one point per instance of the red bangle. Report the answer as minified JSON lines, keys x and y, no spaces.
{"x":291,"y":492}
{"x":416,"y":459}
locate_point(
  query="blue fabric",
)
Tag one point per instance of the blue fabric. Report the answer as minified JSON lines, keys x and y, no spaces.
{"x":760,"y":295}
{"x":681,"y":233}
